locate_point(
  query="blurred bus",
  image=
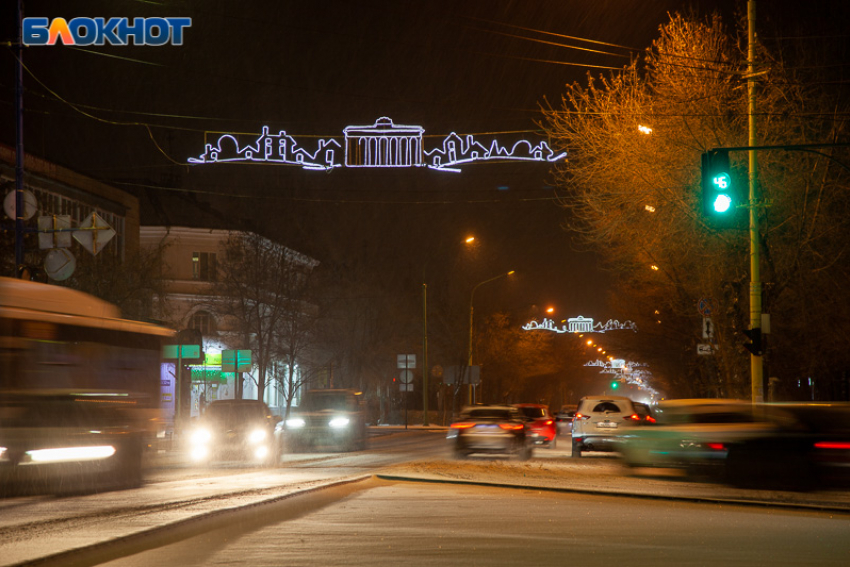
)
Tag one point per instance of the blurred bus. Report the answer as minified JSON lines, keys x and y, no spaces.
{"x":79,"y":390}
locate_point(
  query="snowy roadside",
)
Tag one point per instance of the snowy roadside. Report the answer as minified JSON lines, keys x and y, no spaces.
{"x":605,"y":475}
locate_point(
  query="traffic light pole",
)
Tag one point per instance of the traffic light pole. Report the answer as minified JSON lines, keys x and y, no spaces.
{"x":756,"y":360}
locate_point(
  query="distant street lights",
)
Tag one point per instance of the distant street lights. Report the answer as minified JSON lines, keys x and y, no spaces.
{"x":471,"y":300}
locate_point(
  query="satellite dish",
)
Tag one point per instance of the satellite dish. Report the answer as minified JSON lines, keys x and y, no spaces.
{"x":30,"y":205}
{"x":59,"y":264}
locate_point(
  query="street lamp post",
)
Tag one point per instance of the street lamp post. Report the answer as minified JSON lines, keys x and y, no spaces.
{"x":471,"y":300}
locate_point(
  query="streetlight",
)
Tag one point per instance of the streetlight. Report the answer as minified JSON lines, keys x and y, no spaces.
{"x":471,"y":299}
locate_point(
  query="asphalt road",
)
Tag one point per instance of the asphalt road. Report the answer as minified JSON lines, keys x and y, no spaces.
{"x":403,"y":496}
{"x":401,"y":523}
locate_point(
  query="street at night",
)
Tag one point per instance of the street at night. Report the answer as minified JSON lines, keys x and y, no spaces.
{"x":381,"y":282}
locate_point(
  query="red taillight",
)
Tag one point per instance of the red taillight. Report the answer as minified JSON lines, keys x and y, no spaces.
{"x":716,"y":446}
{"x":511,"y":426}
{"x":462,"y":425}
{"x":633,"y":417}
{"x":842,"y":445}
{"x":650,"y":419}
{"x":549,"y":422}
{"x":581,"y":416}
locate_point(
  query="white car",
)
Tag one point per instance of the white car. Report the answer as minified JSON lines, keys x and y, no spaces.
{"x":601,"y":422}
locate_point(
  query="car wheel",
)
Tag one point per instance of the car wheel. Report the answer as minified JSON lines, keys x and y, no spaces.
{"x":576,"y":449}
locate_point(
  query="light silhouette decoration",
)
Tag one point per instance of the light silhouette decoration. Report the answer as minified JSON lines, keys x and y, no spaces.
{"x":627,"y":371}
{"x":580,"y":325}
{"x":379,"y":145}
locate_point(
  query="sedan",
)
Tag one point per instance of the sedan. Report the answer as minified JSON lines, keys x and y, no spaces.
{"x":540,"y":425}
{"x":490,"y":430}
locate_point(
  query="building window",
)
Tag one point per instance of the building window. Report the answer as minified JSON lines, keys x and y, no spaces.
{"x":203,"y":321}
{"x":203,"y":266}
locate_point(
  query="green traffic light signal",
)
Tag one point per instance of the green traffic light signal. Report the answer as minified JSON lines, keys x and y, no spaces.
{"x":614,"y":385}
{"x":720,"y":197}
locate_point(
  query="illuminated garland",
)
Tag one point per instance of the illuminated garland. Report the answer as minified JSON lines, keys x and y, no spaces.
{"x":580,"y":325}
{"x":380,"y":145}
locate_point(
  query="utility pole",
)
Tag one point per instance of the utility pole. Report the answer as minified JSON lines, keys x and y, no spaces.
{"x":756,"y":361}
{"x":424,"y":354}
{"x":19,"y":139}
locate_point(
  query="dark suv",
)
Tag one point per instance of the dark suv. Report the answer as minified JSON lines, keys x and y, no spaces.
{"x":328,"y":418}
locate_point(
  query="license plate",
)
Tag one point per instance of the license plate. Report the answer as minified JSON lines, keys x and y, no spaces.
{"x":606,"y":425}
{"x":486,"y":426}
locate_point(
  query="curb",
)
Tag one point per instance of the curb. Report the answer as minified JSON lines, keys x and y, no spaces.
{"x":803,"y":506}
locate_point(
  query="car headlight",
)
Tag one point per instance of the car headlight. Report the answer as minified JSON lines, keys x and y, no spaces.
{"x":257,"y":436}
{"x":339,"y":422}
{"x":200,"y":436}
{"x":295,"y":422}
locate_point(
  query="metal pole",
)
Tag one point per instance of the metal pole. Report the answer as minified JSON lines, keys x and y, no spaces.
{"x":19,"y":140}
{"x":756,"y":367}
{"x":469,"y":359}
{"x":424,"y":354}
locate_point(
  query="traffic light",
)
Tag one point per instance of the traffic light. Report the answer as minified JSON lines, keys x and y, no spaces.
{"x":615,"y":385}
{"x":754,"y":346}
{"x":720,"y":196}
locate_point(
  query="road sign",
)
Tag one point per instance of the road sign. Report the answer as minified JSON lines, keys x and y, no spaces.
{"x":236,"y":361}
{"x":704,"y":307}
{"x":48,"y":238}
{"x":406,"y":361}
{"x":186,"y":351}
{"x":94,"y":233}
{"x":707,"y":328}
{"x":406,"y":376}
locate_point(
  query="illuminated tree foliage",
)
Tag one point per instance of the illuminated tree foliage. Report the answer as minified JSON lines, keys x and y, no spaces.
{"x":635,"y":196}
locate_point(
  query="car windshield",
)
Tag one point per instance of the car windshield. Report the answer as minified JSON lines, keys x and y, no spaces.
{"x":533,"y":412}
{"x":235,"y":413}
{"x":330,"y":401}
{"x":610,"y":407}
{"x":489,"y":413}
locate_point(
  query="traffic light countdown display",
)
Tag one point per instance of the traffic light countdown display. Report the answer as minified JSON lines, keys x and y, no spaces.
{"x":721,"y":198}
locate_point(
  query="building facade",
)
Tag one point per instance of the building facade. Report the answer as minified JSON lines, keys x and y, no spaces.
{"x":192,"y":264}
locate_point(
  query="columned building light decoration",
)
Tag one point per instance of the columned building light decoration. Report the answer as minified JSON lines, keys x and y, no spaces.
{"x":380,"y":145}
{"x":580,"y":325}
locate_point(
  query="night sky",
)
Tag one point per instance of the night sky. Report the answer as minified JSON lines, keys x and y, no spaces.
{"x":132,"y":116}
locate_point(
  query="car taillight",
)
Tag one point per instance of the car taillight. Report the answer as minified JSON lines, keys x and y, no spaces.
{"x":462,"y":425}
{"x":549,"y":422}
{"x":842,"y":445}
{"x":716,"y":446}
{"x":633,"y":417}
{"x":511,"y":426}
{"x":581,"y":416}
{"x":650,"y":419}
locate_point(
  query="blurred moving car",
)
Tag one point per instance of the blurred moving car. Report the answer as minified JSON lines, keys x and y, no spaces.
{"x":540,"y":428}
{"x":499,"y":430}
{"x":695,"y":435}
{"x":564,"y":420}
{"x":601,"y":422}
{"x":644,"y":413}
{"x":235,"y":430}
{"x":330,"y":418}
{"x":809,"y":448}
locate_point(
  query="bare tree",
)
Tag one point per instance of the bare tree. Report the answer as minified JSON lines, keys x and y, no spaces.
{"x":263,"y":290}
